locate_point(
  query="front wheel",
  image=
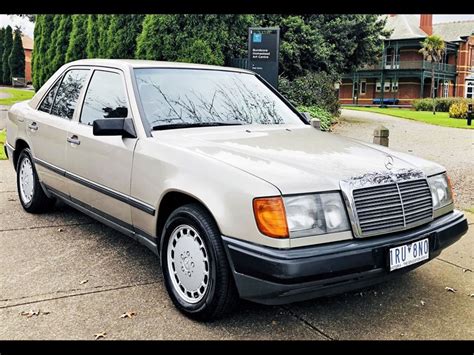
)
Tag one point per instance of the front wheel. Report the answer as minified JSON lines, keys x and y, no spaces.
{"x":195,"y":267}
{"x":31,"y":194}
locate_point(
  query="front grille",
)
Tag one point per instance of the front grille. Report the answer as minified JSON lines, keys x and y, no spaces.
{"x":392,"y":207}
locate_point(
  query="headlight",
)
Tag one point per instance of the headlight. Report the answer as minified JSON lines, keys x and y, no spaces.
{"x":315,"y":214}
{"x":440,"y":190}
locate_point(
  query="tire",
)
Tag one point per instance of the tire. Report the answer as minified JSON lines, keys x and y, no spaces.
{"x":190,"y":228}
{"x":30,"y":192}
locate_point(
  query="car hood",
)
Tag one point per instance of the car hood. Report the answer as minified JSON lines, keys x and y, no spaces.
{"x":294,"y":158}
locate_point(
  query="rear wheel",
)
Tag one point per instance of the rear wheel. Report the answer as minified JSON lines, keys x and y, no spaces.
{"x":195,"y":267}
{"x":31,"y":194}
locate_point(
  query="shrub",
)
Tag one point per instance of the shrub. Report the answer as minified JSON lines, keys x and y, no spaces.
{"x":459,"y":108}
{"x":326,"y":118}
{"x":313,"y":89}
{"x":443,"y":104}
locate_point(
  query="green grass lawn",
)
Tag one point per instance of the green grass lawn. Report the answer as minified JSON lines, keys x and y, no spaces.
{"x":3,"y":138}
{"x":17,"y":95}
{"x":440,"y":119}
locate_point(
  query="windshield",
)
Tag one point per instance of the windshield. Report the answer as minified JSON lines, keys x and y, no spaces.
{"x":199,"y":97}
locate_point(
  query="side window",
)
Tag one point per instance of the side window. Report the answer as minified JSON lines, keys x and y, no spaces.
{"x":105,"y":98}
{"x":48,"y":100}
{"x":68,"y":93}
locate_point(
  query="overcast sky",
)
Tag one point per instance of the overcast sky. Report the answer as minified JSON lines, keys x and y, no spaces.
{"x":27,"y":27}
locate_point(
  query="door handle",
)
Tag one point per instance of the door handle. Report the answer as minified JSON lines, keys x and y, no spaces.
{"x":33,"y":126}
{"x":74,"y":140}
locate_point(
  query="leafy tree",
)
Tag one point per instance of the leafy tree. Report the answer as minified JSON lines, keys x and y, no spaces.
{"x":92,"y":48}
{"x":432,"y":49}
{"x":314,"y":89}
{"x":208,"y":39}
{"x":49,"y":67}
{"x":103,"y":22}
{"x":2,"y":35}
{"x":16,"y":60}
{"x":155,"y":39}
{"x":199,"y":51}
{"x":43,"y":30}
{"x":36,"y":52}
{"x":78,"y":41}
{"x":330,"y":43}
{"x":7,"y":48}
{"x":122,"y":35}
{"x":61,"y":42}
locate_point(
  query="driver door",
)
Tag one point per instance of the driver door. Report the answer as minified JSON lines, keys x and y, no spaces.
{"x":100,"y":166}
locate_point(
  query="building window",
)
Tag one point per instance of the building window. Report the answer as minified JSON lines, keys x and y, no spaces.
{"x":378,"y":86}
{"x":363,"y":87}
{"x":472,"y":58}
{"x":395,"y":86}
{"x":470,"y":89}
{"x":386,"y":86}
{"x":388,"y":61}
{"x":446,"y":88}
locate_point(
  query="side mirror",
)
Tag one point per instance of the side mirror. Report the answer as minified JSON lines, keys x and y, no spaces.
{"x":114,"y":127}
{"x":316,"y":123}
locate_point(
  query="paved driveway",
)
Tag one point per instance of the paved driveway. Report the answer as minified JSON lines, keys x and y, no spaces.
{"x":450,"y":147}
{"x":82,"y":276}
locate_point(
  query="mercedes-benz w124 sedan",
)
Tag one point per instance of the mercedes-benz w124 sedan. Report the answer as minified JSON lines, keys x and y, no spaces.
{"x":221,"y":177}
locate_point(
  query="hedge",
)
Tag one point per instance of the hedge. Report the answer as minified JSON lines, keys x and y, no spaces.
{"x":442,"y":103}
{"x":326,"y":118}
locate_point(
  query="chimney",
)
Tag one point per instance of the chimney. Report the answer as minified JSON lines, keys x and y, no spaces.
{"x":426,"y":24}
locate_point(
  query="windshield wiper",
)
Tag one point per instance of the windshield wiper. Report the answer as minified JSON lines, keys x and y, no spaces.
{"x":195,"y":124}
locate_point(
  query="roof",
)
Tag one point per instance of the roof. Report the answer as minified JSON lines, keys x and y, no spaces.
{"x":137,"y":63}
{"x":404,"y":27}
{"x":28,"y":42}
{"x":408,"y":26}
{"x":453,"y":31}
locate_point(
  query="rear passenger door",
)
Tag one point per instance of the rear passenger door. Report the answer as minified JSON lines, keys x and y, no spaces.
{"x":100,"y":167}
{"x":47,"y":129}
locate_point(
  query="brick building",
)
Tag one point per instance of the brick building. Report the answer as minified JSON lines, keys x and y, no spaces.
{"x":403,"y":75}
{"x":28,"y":47}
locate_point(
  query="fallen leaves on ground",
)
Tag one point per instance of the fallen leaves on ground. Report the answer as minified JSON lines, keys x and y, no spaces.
{"x":100,"y":335}
{"x":128,"y":314}
{"x":450,"y":289}
{"x":30,"y":313}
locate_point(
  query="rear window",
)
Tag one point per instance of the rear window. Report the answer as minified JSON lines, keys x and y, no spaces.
{"x":68,"y":93}
{"x":49,"y":98}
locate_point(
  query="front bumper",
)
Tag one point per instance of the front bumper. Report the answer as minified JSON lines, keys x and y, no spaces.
{"x":278,"y":276}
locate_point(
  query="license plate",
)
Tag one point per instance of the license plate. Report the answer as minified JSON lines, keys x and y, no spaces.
{"x":409,"y":254}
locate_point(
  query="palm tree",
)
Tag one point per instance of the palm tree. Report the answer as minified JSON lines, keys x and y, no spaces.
{"x":432,"y":49}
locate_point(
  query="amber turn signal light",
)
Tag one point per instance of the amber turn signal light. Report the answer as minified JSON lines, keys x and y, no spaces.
{"x":270,"y":216}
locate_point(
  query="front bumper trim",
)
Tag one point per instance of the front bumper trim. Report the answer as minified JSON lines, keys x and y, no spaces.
{"x":278,"y":276}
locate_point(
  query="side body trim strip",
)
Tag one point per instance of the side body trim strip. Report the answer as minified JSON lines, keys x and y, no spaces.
{"x":100,"y":188}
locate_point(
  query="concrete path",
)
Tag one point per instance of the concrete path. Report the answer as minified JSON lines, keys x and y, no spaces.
{"x":450,"y":147}
{"x":45,"y":261}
